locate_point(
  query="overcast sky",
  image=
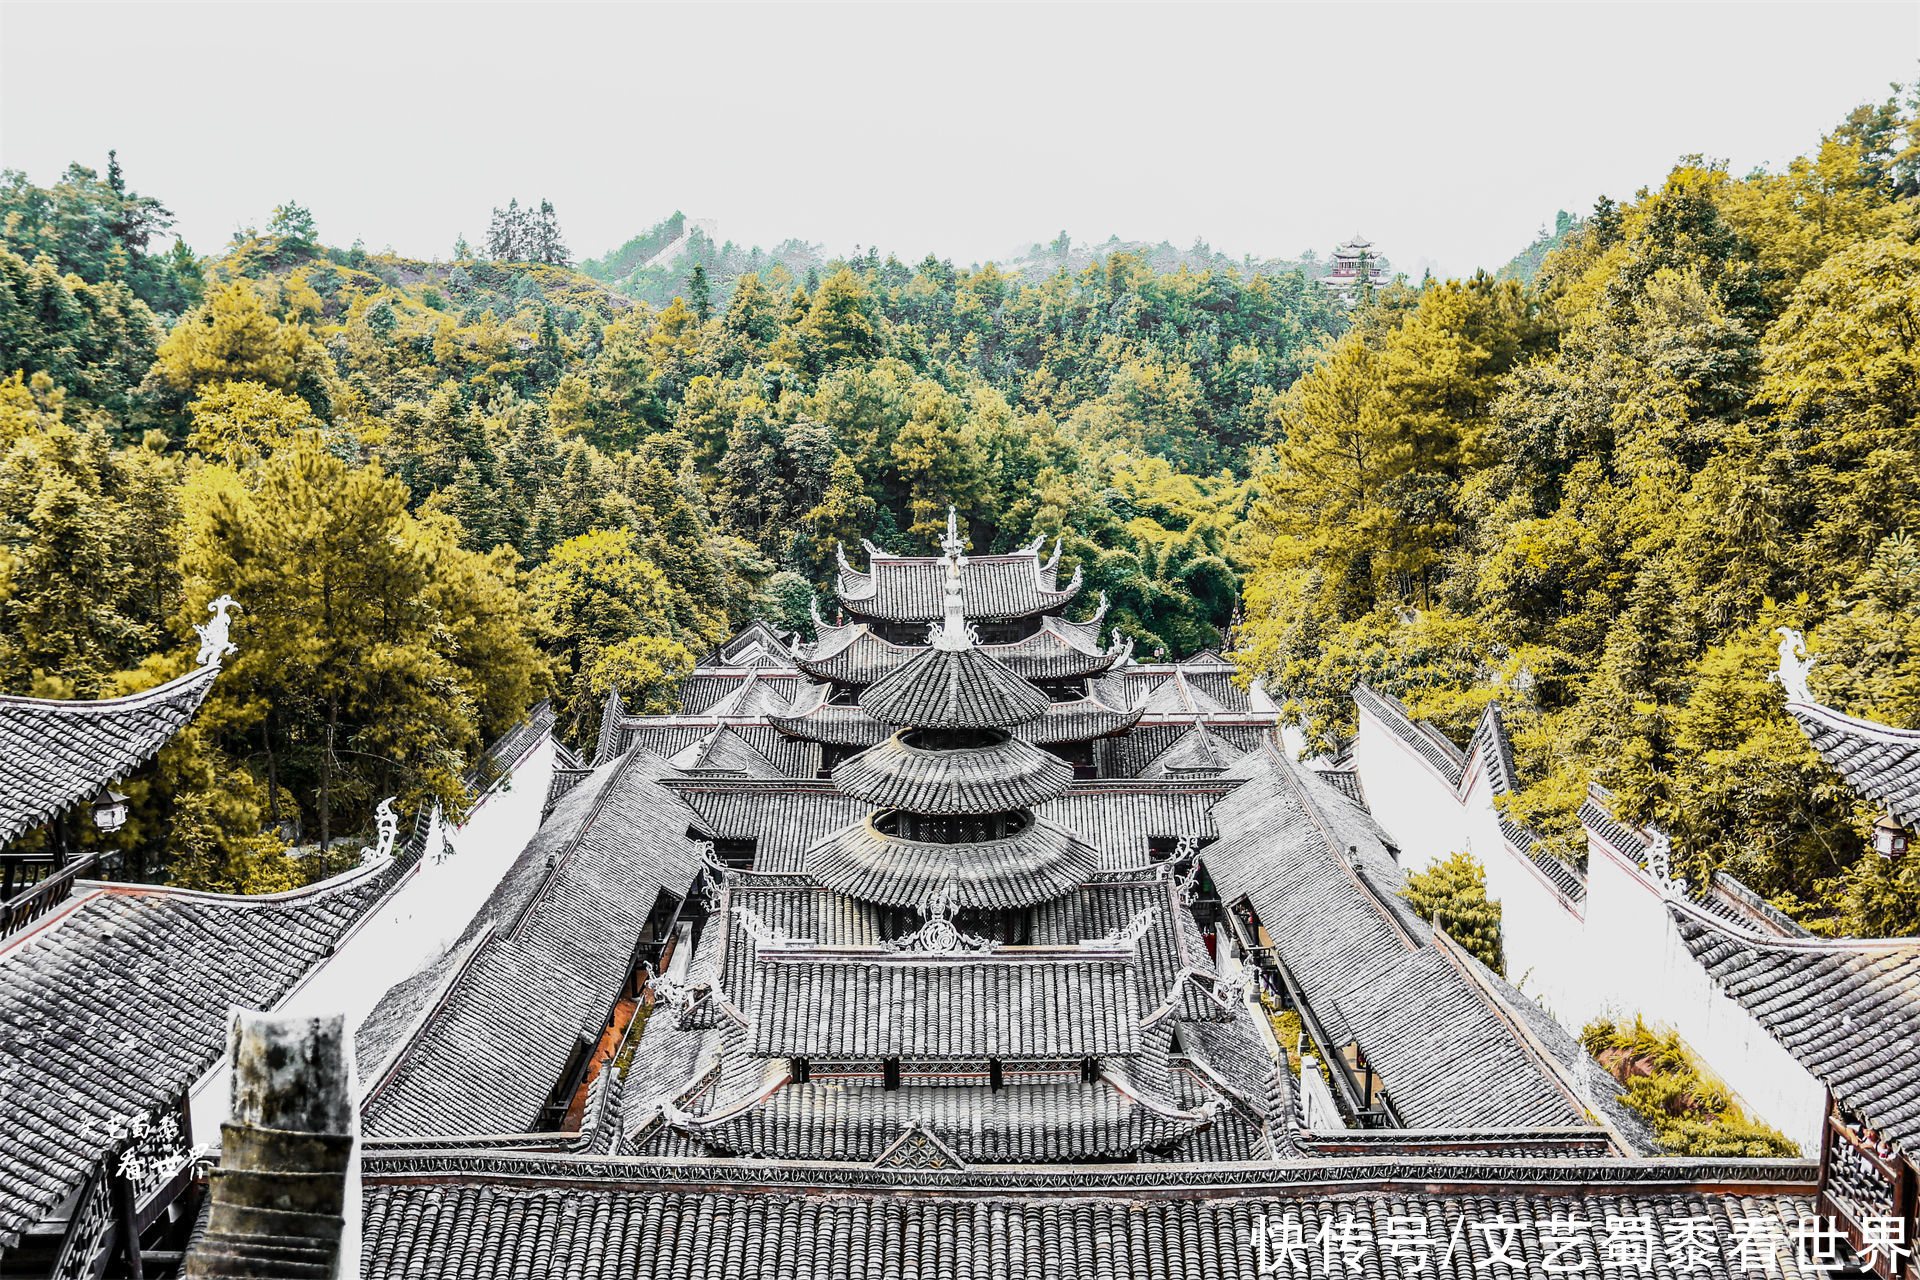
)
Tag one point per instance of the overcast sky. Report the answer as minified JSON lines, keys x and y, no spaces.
{"x":1446,"y":133}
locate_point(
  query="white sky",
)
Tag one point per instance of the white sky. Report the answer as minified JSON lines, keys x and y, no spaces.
{"x":1446,"y":133}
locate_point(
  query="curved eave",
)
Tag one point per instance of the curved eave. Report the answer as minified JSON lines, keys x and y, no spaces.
{"x":858,"y":658}
{"x":1040,"y":864}
{"x":1879,"y":761}
{"x":1007,"y":775}
{"x":1048,"y":601}
{"x":1081,"y":720}
{"x":833,"y":725}
{"x":953,"y":689}
{"x":992,"y":587}
{"x":55,"y":754}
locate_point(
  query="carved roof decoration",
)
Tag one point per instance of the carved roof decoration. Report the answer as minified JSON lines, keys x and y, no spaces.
{"x":918,"y":1147}
{"x":55,"y":754}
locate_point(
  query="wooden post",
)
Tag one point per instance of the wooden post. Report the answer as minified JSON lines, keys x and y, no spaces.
{"x":126,"y":1223}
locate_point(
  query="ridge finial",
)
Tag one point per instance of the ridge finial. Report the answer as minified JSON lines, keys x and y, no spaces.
{"x":953,"y":631}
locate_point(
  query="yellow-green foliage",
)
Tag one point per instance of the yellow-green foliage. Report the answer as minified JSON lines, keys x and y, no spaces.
{"x":1287,"y":1028}
{"x":1594,"y":499}
{"x":1453,"y":894}
{"x":1690,"y":1112}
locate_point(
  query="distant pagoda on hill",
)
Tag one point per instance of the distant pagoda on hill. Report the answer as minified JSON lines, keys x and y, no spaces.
{"x":1354,"y":263}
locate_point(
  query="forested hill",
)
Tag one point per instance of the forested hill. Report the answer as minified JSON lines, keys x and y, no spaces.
{"x":654,"y":266}
{"x":440,"y":490}
{"x":1595,"y":497}
{"x":443,"y":490}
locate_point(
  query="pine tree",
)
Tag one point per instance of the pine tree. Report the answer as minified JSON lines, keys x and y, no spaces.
{"x":384,"y":649}
{"x":547,"y":245}
{"x":504,"y":233}
{"x":698,"y":294}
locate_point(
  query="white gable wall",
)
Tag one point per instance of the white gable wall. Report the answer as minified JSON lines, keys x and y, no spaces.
{"x":1617,"y":952}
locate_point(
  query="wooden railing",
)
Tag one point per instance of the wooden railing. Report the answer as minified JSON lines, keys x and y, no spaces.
{"x":21,"y":910}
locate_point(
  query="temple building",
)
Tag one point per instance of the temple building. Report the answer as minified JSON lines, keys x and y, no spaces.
{"x":953,"y":942}
{"x":957,"y":941}
{"x":1354,"y":264}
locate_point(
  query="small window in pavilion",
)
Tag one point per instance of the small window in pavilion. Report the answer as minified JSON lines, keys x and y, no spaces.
{"x":737,"y":854}
{"x":890,"y":1073}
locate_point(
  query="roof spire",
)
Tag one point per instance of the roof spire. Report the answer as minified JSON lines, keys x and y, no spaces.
{"x":953,"y":631}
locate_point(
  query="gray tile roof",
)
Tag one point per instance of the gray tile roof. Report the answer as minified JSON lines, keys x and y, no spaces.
{"x":1122,"y":817}
{"x":759,"y":644}
{"x":1132,"y":755}
{"x":1035,"y":865}
{"x":1059,"y":650}
{"x":784,"y":819}
{"x":56,"y":754}
{"x":566,"y":918}
{"x":453,"y":1228}
{"x":913,"y":588}
{"x":724,"y":750}
{"x":1879,"y":761}
{"x":708,"y":687}
{"x":969,"y":1007}
{"x":896,"y":774}
{"x":1361,"y":957}
{"x":1022,"y":1123}
{"x":117,"y":1002}
{"x":1847,"y":1010}
{"x":953,"y":689}
{"x":1204,"y":678}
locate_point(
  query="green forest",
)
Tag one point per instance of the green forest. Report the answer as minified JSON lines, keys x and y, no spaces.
{"x":443,"y":490}
{"x":1588,"y":486}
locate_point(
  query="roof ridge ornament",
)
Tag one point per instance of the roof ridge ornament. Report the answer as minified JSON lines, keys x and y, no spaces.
{"x":939,"y":936}
{"x":952,"y":633}
{"x":764,"y":934}
{"x":840,"y":554}
{"x":214,"y":644}
{"x":1795,"y":663}
{"x":1660,"y":866}
{"x":1129,"y":934}
{"x":713,"y":872}
{"x":389,"y":826}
